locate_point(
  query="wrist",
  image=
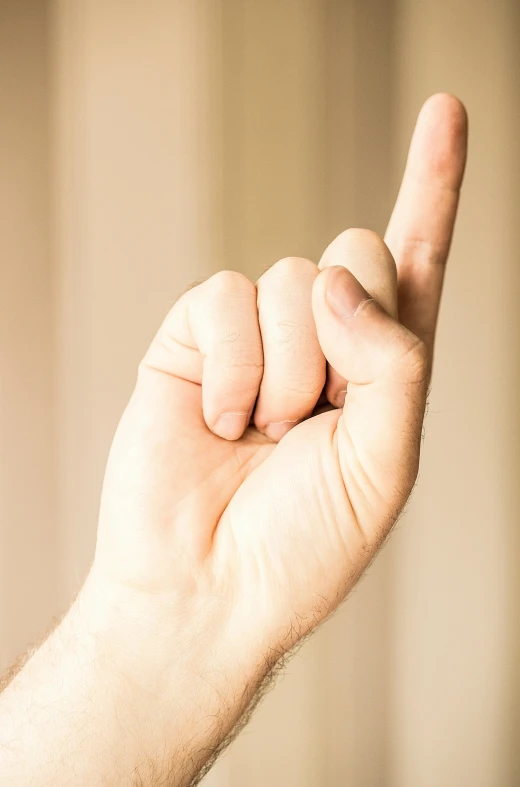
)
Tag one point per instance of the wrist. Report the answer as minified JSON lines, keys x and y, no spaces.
{"x":149,"y":632}
{"x":182,"y":673}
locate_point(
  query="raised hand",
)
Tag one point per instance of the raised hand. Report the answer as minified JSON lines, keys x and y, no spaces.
{"x":222,"y":471}
{"x":239,"y":508}
{"x":275,"y":519}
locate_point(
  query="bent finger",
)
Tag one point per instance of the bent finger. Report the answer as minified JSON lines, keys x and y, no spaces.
{"x":294,"y":365}
{"x":211,"y":338}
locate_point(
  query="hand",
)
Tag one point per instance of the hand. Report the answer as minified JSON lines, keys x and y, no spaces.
{"x":226,"y":495}
{"x":274,"y":521}
{"x":238,"y":510}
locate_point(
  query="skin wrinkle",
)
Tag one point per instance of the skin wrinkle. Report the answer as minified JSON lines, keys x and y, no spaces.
{"x":366,"y":546}
{"x":419,"y":252}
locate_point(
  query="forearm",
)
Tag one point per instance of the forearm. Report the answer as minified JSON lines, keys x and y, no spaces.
{"x":100,"y":702}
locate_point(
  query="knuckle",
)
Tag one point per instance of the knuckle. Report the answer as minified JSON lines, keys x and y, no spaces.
{"x":363,"y":251}
{"x":368,"y":242}
{"x":226,"y":282}
{"x":289,"y":267}
{"x":359,"y":234}
{"x":423,"y":252}
{"x":194,"y":285}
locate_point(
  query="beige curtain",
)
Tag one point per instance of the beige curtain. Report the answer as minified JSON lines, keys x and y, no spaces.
{"x":148,"y":143}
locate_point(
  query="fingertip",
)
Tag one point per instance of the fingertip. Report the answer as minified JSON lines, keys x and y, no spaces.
{"x":278,"y":429}
{"x":231,"y":426}
{"x":359,"y":241}
{"x":450,"y":107}
{"x":336,"y":396}
{"x":439,"y":144}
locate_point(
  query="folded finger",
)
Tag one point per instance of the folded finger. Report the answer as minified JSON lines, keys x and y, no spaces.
{"x":212,"y":338}
{"x":294,"y":365}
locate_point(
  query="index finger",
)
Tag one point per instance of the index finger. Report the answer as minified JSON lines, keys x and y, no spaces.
{"x":421,"y":227}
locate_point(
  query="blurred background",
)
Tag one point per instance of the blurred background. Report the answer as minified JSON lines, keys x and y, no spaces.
{"x":148,"y":143}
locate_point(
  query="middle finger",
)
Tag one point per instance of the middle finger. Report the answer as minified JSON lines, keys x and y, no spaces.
{"x":294,"y":365}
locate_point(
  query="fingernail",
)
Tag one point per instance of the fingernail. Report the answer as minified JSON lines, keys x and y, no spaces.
{"x":344,"y":293}
{"x":231,"y":426}
{"x":339,"y":399}
{"x":277,"y":429}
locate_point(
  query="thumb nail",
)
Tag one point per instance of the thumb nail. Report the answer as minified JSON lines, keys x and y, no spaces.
{"x":344,"y":293}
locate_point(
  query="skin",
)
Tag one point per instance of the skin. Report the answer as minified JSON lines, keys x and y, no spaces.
{"x":245,"y":494}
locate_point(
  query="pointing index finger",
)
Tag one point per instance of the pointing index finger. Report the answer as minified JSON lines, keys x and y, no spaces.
{"x":421,"y":227}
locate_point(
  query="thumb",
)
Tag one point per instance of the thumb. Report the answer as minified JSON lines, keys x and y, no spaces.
{"x":386,"y":365}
